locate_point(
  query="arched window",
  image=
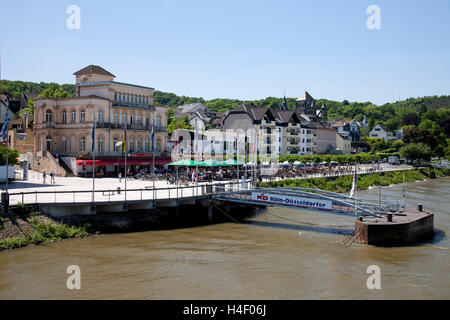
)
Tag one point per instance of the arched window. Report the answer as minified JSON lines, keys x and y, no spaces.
{"x":100,"y":145}
{"x":82,"y":144}
{"x":135,"y":99}
{"x":82,"y":116}
{"x":140,"y":119}
{"x":115,"y":96}
{"x":48,"y":143}
{"x":146,"y":100}
{"x":147,"y":145}
{"x":139,"y":145}
{"x":48,"y":116}
{"x":115,"y":142}
{"x":100,"y":116}
{"x":64,"y":144}
{"x":131,"y":145}
{"x":124,"y":119}
{"x":64,"y":116}
{"x":74,"y":116}
{"x":118,"y":98}
{"x":116,"y":119}
{"x":158,"y":122}
{"x":147,"y":122}
{"x":131,"y":118}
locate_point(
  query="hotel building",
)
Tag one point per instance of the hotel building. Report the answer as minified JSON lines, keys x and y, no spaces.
{"x":63,"y":127}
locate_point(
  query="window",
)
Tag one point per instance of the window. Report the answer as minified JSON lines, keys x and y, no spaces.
{"x":82,"y":144}
{"x":116,"y":116}
{"x":115,"y":96}
{"x":158,"y":122}
{"x":48,"y":141}
{"x":48,"y":116}
{"x":131,"y":118}
{"x":146,"y":100}
{"x":140,"y":119}
{"x":139,"y":100}
{"x":82,"y":116}
{"x":147,"y":145}
{"x":100,"y":145}
{"x":131,"y":148}
{"x":100,"y":116}
{"x":158,"y":145}
{"x":135,"y":99}
{"x":64,"y":117}
{"x":124,"y":119}
{"x":64,"y":144}
{"x":115,"y":142}
{"x":128,"y":98}
{"x":74,"y":116}
{"x":147,"y":121}
{"x":139,"y":146}
{"x":118,"y":97}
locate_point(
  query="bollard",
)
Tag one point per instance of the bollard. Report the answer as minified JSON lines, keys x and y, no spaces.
{"x":419,"y":207}
{"x":389,"y":217}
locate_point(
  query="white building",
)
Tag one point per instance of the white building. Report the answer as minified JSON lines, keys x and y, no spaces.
{"x":382,"y":132}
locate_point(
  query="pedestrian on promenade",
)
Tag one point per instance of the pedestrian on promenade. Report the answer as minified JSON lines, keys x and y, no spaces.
{"x":120,"y":177}
{"x":52,"y":177}
{"x":44,"y":175}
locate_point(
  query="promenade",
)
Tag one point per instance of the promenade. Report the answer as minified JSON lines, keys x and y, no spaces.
{"x":79,"y":190}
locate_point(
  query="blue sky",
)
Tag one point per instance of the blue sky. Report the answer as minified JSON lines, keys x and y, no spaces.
{"x":243,"y":49}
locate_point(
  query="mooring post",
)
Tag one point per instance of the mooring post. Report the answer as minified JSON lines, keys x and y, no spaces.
{"x":419,"y":207}
{"x":210,"y":213}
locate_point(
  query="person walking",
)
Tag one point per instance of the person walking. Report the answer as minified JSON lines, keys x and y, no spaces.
{"x":120,"y":177}
{"x":44,"y":175}
{"x":52,"y":177}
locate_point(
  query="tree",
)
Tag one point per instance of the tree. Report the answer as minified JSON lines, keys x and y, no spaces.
{"x":416,"y":151}
{"x":419,"y":135}
{"x":29,"y":109}
{"x":410,"y":119}
{"x":54,"y":90}
{"x":13,"y":156}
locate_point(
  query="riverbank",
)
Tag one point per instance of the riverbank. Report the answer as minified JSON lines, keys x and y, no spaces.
{"x":25,"y":228}
{"x":365,"y":181}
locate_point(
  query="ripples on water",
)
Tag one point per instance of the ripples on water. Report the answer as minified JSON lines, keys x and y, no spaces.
{"x":277,"y":254}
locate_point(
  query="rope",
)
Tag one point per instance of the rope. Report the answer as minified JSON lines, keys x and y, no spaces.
{"x":226,"y":214}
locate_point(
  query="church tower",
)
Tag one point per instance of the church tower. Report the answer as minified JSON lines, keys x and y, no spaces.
{"x":305,"y":103}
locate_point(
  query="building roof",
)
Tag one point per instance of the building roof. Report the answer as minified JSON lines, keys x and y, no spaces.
{"x":383,"y":126}
{"x":92,"y":69}
{"x":305,"y":96}
{"x":285,"y":116}
{"x":75,"y":98}
{"x":256,"y":113}
{"x":190,"y":108}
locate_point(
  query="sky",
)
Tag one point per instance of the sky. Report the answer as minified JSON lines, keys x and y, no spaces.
{"x":243,"y":49}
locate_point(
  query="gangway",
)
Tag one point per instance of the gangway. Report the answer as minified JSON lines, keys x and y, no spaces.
{"x":306,"y":199}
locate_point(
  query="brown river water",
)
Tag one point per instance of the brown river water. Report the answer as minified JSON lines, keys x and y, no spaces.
{"x":278,"y":254}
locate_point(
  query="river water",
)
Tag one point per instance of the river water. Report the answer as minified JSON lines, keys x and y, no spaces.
{"x":279,"y":254}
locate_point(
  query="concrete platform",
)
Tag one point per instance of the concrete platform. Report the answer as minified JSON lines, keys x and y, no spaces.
{"x":407,"y":227}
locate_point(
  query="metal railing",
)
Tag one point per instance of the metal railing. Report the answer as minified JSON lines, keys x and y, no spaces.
{"x":120,"y":195}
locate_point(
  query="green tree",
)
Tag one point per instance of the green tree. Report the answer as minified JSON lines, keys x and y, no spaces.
{"x":13,"y":156}
{"x":54,"y":90}
{"x":416,"y":151}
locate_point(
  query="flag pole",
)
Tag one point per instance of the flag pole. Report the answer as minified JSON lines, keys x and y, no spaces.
{"x":93,"y":160}
{"x":176,"y":150}
{"x":125,"y":165}
{"x":153,"y":158}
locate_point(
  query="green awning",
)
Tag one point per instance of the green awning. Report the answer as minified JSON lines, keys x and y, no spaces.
{"x":185,"y":162}
{"x":211,"y":163}
{"x":232,"y":162}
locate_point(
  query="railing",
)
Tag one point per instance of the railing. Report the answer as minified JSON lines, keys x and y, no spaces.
{"x":113,"y":195}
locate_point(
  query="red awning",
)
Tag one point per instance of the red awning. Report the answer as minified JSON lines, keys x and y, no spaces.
{"x":121,"y":162}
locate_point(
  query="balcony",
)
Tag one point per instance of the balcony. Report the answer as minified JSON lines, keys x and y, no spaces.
{"x":49,"y":124}
{"x":134,"y":105}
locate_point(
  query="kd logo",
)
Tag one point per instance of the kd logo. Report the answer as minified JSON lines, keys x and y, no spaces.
{"x":262,"y":197}
{"x":74,"y":20}
{"x":74,"y":280}
{"x":374,"y":20}
{"x":374,"y":281}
